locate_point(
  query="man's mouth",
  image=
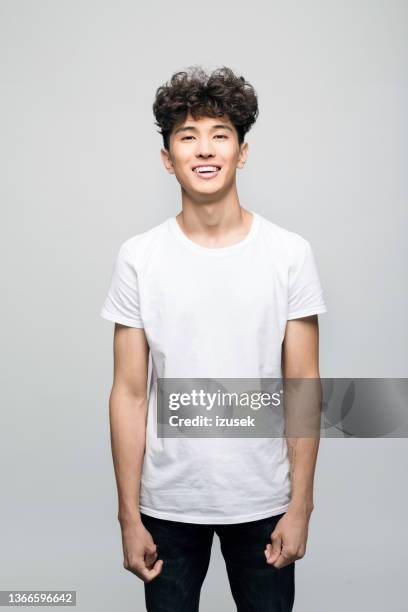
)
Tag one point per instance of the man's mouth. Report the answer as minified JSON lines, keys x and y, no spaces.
{"x":206,"y":171}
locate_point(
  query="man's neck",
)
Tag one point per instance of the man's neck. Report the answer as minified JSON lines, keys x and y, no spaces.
{"x":216,"y":224}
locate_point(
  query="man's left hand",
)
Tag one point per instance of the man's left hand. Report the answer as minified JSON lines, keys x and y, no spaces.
{"x":288,"y":538}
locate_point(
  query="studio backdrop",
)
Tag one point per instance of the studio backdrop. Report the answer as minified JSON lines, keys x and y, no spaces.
{"x":81,"y":173}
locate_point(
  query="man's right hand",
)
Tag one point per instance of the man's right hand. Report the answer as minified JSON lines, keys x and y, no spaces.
{"x":139,"y":551}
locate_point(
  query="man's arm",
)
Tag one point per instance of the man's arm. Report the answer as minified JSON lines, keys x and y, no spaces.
{"x":128,"y":414}
{"x":300,"y":359}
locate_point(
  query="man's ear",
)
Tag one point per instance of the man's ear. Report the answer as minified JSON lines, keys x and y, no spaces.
{"x":243,"y":154}
{"x":166,"y":159}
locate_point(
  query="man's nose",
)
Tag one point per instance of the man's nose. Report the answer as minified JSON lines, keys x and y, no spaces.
{"x":204,"y":149}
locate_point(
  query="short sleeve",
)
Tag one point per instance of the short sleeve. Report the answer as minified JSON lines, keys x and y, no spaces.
{"x":305,"y":291}
{"x":122,"y":300}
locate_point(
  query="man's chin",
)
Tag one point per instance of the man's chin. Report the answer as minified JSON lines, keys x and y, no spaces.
{"x":206,"y":188}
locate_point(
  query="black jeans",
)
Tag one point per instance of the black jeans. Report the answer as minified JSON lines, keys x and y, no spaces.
{"x":186,"y":548}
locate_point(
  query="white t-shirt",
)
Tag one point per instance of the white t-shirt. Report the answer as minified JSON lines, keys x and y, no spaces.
{"x":213,"y":312}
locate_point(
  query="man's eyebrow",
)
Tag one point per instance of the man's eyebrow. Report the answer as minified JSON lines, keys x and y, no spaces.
{"x":217,"y":126}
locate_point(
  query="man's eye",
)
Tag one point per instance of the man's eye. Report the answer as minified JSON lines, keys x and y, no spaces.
{"x":216,"y":136}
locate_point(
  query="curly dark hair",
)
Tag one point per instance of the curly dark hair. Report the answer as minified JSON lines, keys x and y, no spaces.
{"x":194,"y":91}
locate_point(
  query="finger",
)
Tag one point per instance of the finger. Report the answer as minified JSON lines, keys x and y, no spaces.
{"x":150,"y":558}
{"x":144,"y":573}
{"x":284,"y":559}
{"x":149,"y":574}
{"x":270,"y":556}
{"x":282,"y":562}
{"x":272,"y":551}
{"x":150,"y":554}
{"x":150,"y":548}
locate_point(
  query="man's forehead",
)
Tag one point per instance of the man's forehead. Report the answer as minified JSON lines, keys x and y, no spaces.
{"x":207,"y":119}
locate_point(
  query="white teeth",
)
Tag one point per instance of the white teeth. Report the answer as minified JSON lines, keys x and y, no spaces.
{"x":206,"y":169}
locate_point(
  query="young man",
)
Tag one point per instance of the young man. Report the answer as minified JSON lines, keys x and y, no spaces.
{"x":217,"y":291}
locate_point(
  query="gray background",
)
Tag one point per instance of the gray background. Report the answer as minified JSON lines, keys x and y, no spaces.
{"x":82,"y":173}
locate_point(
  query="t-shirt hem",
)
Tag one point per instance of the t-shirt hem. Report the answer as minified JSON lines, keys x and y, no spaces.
{"x":211,"y":520}
{"x":119,"y":319}
{"x":306,"y":312}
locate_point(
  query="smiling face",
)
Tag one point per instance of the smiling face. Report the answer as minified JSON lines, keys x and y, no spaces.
{"x":204,"y":155}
